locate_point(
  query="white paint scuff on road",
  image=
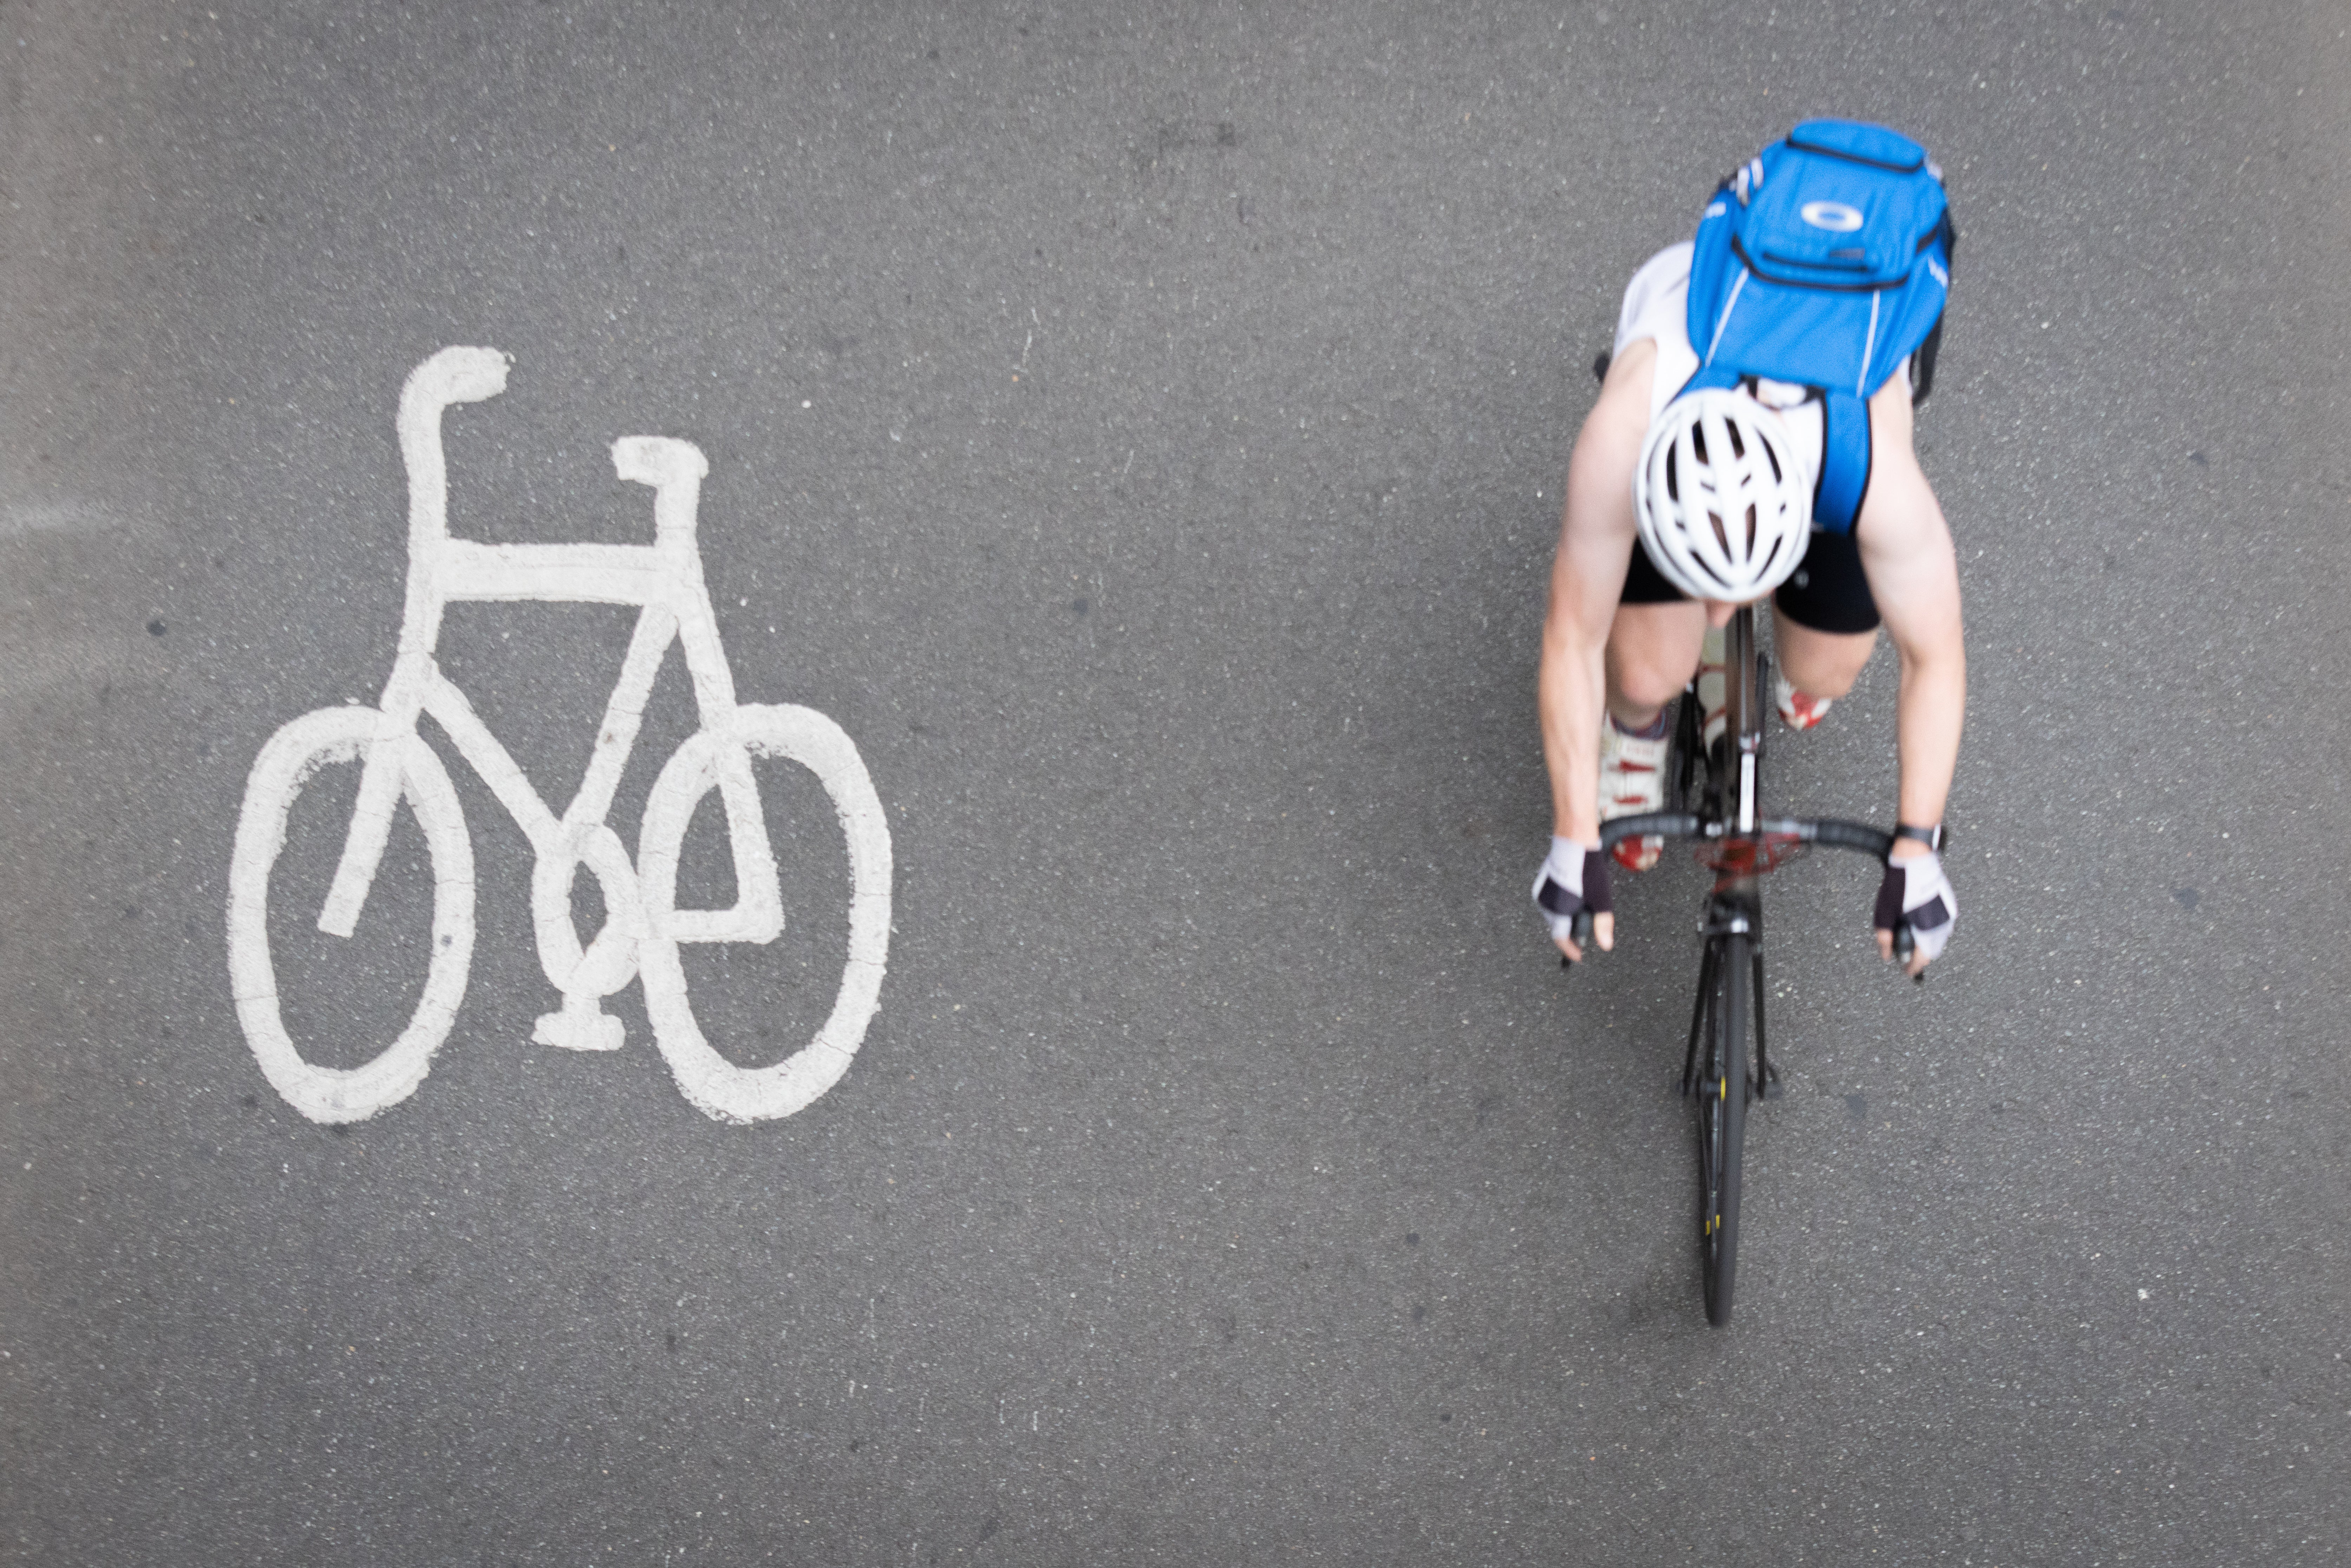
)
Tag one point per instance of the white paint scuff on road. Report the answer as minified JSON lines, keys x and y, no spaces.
{"x":643,"y":928}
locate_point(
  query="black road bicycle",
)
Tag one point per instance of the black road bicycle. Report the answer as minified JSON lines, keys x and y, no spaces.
{"x":1741,"y":845}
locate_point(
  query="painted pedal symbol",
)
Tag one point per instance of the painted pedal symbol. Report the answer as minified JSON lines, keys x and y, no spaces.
{"x":643,"y":928}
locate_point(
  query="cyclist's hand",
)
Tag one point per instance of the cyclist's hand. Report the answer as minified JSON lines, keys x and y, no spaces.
{"x":1574,"y":878}
{"x":1916,"y":893}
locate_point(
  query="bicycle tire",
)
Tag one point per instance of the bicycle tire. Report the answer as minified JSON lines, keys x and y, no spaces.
{"x":1722,"y":1124}
{"x":300,"y":749}
{"x":714,"y":1085}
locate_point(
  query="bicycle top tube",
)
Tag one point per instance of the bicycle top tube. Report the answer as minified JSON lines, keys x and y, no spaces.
{"x":466,"y":569}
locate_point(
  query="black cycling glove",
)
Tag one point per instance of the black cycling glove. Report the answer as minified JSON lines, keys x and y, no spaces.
{"x":1574,"y":878}
{"x":1916,"y":893}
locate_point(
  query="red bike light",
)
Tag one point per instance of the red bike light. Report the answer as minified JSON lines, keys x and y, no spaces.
{"x":1750,"y":854}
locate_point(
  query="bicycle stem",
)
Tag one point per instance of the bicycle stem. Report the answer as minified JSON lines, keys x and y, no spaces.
{"x":1742,"y":715}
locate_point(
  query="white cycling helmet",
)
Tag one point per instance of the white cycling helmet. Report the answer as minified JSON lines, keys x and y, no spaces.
{"x":1723,"y":502}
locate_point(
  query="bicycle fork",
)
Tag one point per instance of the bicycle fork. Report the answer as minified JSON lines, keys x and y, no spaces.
{"x":1728,"y":913}
{"x":371,"y":818}
{"x":458,"y":374}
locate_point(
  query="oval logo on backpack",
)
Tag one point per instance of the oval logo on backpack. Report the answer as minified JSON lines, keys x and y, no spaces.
{"x":1834,"y":217}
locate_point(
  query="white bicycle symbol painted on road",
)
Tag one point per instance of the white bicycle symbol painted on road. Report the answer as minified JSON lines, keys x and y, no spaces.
{"x":642,"y":926}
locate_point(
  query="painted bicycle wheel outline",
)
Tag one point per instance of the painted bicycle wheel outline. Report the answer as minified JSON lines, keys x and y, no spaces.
{"x":299,"y":750}
{"x":712,"y":1084}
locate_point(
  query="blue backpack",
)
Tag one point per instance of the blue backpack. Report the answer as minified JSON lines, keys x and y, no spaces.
{"x":1824,"y":263}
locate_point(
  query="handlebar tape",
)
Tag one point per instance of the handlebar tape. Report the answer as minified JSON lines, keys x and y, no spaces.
{"x":1842,"y":835}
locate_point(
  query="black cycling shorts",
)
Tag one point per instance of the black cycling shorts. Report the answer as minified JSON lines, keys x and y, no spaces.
{"x":1827,"y":593}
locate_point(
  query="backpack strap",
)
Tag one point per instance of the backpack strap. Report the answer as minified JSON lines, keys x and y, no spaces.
{"x":1843,"y":481}
{"x":1845,"y":461}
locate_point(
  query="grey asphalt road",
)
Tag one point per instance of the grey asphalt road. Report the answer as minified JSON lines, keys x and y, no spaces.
{"x":1141,"y":429}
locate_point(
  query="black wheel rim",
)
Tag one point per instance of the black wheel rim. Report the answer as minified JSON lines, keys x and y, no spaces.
{"x":1721,"y":1126}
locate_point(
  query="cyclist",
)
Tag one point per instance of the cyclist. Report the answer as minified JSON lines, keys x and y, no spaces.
{"x":1684,"y":503}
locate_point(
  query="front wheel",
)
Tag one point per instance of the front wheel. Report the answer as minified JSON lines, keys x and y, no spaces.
{"x":715,"y":1085}
{"x":297,"y":750}
{"x":1722,"y":1120}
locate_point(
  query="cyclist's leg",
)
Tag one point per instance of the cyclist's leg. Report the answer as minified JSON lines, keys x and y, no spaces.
{"x":1821,"y":664}
{"x":1652,"y":655}
{"x":1825,"y":626}
{"x":1651,"y":650}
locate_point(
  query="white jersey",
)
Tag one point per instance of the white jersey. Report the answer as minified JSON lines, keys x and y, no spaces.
{"x":1656,"y":307}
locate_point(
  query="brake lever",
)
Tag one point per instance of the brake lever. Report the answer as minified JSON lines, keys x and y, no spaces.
{"x":1906,"y":945}
{"x":1579,"y":930}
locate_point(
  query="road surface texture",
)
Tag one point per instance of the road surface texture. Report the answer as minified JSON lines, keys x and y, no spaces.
{"x":1141,"y":428}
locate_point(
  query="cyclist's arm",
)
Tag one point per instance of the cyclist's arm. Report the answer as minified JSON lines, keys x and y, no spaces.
{"x":1906,"y":551}
{"x":1587,"y":577}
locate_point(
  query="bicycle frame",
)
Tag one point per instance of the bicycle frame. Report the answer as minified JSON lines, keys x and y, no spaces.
{"x":1731,"y":815}
{"x":1736,"y":902}
{"x":666,"y":579}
